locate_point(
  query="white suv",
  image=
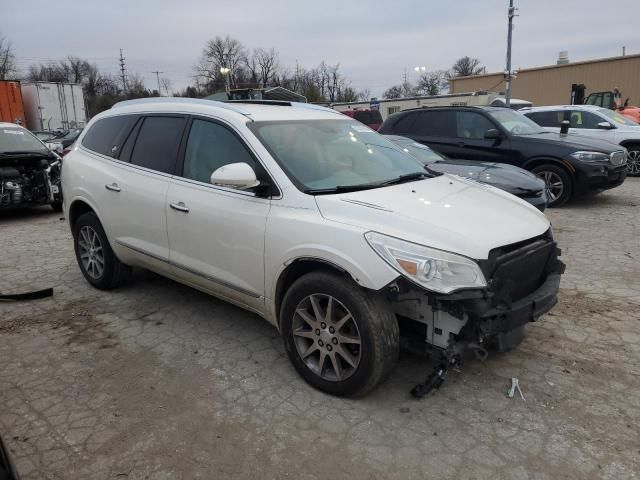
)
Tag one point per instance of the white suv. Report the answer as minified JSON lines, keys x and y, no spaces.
{"x":310,"y":219}
{"x":593,"y":121}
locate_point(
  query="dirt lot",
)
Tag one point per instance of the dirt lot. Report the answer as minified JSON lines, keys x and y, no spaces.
{"x":159,"y":381}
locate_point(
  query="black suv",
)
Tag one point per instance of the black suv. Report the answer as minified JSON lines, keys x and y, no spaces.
{"x":570,"y":166}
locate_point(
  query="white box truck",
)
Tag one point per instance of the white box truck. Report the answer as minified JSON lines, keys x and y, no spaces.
{"x":53,"y":106}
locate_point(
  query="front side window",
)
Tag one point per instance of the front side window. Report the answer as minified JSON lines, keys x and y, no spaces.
{"x":472,"y":125}
{"x":581,"y":119}
{"x":19,"y":140}
{"x":209,"y":147}
{"x":157,"y":143}
{"x":595,"y":99}
{"x":334,"y":154}
{"x":515,"y":123}
{"x":107,"y":135}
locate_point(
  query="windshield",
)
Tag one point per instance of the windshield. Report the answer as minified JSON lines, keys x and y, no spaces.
{"x":16,"y":139}
{"x":515,"y":123}
{"x":423,"y":153}
{"x":617,"y":118}
{"x":334,"y":154}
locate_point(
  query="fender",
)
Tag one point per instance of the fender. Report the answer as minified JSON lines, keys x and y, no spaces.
{"x":532,"y":163}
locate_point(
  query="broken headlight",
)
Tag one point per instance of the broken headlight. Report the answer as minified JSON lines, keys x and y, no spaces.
{"x":433,"y":269}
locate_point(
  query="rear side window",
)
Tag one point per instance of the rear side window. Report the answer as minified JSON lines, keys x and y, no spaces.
{"x":548,"y":118}
{"x":157,"y":143}
{"x":403,"y":125}
{"x":435,"y":124}
{"x":107,"y":135}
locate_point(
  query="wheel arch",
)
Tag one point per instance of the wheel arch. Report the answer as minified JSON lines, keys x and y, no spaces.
{"x":78,"y":207}
{"x":296,"y":269}
{"x":564,"y":164}
{"x":630,"y":143}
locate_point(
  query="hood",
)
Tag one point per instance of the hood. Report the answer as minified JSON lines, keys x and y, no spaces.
{"x":444,"y":212}
{"x":506,"y":177}
{"x":572,"y":142}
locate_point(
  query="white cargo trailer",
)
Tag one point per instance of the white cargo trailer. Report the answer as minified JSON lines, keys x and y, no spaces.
{"x":391,"y":106}
{"x":53,"y":106}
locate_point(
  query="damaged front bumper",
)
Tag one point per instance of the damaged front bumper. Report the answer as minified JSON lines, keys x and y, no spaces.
{"x":523,"y":284}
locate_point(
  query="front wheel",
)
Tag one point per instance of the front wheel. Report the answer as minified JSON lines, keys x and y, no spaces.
{"x":557,"y":184}
{"x":633,"y":161}
{"x":341,"y":338}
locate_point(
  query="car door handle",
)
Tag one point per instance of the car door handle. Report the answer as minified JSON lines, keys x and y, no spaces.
{"x":113,"y":187}
{"x":180,"y":206}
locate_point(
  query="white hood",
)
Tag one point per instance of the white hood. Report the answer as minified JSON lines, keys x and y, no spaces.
{"x":445,"y":212}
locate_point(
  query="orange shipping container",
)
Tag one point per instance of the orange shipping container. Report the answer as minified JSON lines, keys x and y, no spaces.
{"x":11,"y":109}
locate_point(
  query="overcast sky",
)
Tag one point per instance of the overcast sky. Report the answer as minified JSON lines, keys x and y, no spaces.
{"x":373,"y":40}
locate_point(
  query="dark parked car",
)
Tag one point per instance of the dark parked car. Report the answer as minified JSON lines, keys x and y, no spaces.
{"x":371,"y":118}
{"x":570,"y":166}
{"x":70,"y":137}
{"x":514,"y":180}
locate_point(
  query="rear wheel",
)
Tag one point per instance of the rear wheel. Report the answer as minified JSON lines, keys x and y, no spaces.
{"x":97,"y":261}
{"x":341,"y":338}
{"x":633,"y":161}
{"x":557,"y":184}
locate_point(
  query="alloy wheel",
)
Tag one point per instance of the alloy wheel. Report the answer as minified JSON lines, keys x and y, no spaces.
{"x":91,"y":253}
{"x":553,"y":184}
{"x":633,"y":162}
{"x":326,"y":337}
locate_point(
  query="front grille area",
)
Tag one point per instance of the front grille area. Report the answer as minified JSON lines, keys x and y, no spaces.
{"x":618,"y":158}
{"x":515,"y":271}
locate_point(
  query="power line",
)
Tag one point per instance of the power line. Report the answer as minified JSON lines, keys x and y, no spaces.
{"x":158,"y":78}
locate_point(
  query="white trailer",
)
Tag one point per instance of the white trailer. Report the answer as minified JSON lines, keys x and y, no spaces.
{"x":53,"y":106}
{"x":391,"y":106}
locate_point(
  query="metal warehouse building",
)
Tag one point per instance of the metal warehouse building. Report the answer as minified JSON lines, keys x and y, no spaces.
{"x":551,"y":85}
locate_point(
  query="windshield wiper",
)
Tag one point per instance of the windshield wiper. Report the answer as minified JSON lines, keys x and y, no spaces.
{"x":409,"y":177}
{"x":341,"y":188}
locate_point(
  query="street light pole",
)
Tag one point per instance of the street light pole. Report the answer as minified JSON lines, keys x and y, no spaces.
{"x":508,"y":72}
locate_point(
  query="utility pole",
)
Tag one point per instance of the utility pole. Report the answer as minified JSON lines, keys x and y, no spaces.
{"x":624,"y":50}
{"x":123,"y":74}
{"x":158,"y":78}
{"x":508,"y":72}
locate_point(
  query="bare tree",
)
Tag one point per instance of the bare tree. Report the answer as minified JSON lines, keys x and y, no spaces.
{"x":8,"y":68}
{"x":165,"y":84}
{"x":466,"y":67}
{"x":267,"y":65}
{"x":432,"y":83}
{"x":393,"y":92}
{"x":221,"y":52}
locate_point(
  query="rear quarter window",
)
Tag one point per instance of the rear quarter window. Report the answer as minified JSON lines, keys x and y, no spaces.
{"x":107,"y":135}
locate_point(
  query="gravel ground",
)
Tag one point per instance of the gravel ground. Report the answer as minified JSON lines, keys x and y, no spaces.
{"x":158,"y":381}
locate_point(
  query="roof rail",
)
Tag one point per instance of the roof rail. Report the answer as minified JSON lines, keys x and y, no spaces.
{"x":280,"y":103}
{"x":191,"y":101}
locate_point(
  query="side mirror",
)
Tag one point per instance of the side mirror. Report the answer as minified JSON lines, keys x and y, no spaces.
{"x":235,"y":175}
{"x":492,"y":134}
{"x":605,"y":126}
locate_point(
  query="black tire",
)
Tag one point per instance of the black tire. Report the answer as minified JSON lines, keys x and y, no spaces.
{"x":557,"y":172}
{"x":633,"y":161}
{"x":114,"y":272}
{"x":57,"y":206}
{"x":376,"y":324}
